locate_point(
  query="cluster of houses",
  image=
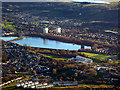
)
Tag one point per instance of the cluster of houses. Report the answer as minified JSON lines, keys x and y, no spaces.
{"x":8,"y":82}
{"x":81,"y":59}
{"x":65,"y":83}
{"x":37,"y":84}
{"x":8,"y":33}
{"x":100,"y":68}
{"x":21,"y":65}
{"x":111,"y":79}
{"x":112,"y":73}
{"x":31,"y":84}
{"x":62,"y":22}
{"x":40,"y":68}
{"x":102,"y":50}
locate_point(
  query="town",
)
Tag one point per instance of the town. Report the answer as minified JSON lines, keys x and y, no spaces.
{"x":26,"y":66}
{"x":22,"y":62}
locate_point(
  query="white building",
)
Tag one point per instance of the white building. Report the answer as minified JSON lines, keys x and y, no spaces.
{"x":45,"y":30}
{"x":18,"y":85}
{"x":101,"y":68}
{"x":45,"y":84}
{"x":44,"y":22}
{"x":81,"y":59}
{"x":58,"y":30}
{"x":32,"y":86}
{"x":30,"y":82}
{"x":28,"y":85}
{"x":26,"y":82}
{"x":36,"y":83}
{"x":24,"y":86}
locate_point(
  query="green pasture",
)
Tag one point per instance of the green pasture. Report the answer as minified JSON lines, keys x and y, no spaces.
{"x":101,"y":57}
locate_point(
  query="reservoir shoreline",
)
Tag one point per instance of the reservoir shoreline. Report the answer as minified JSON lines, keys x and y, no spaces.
{"x":72,"y":40}
{"x":43,"y":43}
{"x":17,"y":38}
{"x":68,"y":40}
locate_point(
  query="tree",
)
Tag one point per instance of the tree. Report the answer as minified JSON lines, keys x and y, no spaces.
{"x":119,"y":51}
{"x":76,"y":74}
{"x":92,"y":72}
{"x":4,"y":57}
{"x":34,"y":72}
{"x":54,"y":71}
{"x":94,"y":46}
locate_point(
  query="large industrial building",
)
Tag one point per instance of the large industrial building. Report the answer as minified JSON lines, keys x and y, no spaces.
{"x":45,"y":30}
{"x":58,"y":30}
{"x":81,"y":59}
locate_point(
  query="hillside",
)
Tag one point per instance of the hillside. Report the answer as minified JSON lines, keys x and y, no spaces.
{"x":90,"y":12}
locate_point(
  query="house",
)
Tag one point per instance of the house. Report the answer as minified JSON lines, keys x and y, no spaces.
{"x":28,"y":85}
{"x":30,"y":82}
{"x":101,"y":68}
{"x":12,"y":80}
{"x":8,"y":33}
{"x":18,"y":85}
{"x":32,"y":86}
{"x":39,"y":85}
{"x":36,"y":83}
{"x":26,"y":82}
{"x":114,"y":79}
{"x":56,"y":83}
{"x":45,"y":84}
{"x":24,"y":86}
{"x":3,"y":84}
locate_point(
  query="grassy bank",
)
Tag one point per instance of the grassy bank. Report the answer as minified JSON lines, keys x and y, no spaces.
{"x":55,"y":57}
{"x":9,"y":25}
{"x":83,"y":86}
{"x":10,"y":86}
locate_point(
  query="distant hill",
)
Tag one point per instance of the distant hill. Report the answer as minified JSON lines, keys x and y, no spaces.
{"x":89,"y":12}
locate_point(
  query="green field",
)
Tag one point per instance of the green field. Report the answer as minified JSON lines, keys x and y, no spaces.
{"x":10,"y":86}
{"x":100,"y":57}
{"x":3,"y":25}
{"x":9,"y":25}
{"x":55,"y":57}
{"x":117,"y":62}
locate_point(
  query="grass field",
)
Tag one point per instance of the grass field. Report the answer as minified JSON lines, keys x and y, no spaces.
{"x":100,"y":57}
{"x":10,"y":86}
{"x":3,"y":25}
{"x":117,"y":62}
{"x":55,"y":57}
{"x":8,"y":25}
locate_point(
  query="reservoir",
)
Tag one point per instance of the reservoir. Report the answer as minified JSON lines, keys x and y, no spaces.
{"x":45,"y":43}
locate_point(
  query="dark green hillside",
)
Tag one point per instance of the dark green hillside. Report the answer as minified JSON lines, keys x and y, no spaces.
{"x":90,"y":12}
